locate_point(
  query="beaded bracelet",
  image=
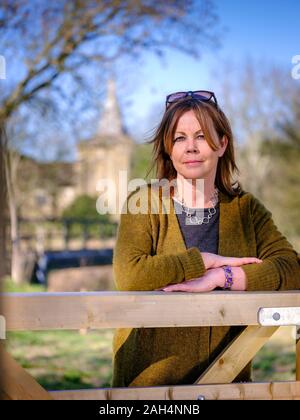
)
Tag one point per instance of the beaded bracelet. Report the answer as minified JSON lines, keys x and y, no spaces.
{"x":228,"y":276}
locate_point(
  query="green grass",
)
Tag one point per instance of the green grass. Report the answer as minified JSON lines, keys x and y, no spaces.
{"x":70,"y":360}
{"x":9,"y":286}
{"x":275,"y":362}
{"x":67,"y":360}
{"x":64,"y":359}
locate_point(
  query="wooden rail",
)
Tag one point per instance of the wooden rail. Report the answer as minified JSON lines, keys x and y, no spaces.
{"x":46,"y":311}
{"x":237,"y":391}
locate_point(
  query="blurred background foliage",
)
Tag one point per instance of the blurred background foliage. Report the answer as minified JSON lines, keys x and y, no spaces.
{"x":83,"y":209}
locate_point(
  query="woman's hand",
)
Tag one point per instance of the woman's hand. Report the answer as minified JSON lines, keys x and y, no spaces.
{"x":215,"y":261}
{"x":213,"y":278}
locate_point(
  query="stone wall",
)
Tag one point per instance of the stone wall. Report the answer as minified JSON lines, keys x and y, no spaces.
{"x":81,"y":279}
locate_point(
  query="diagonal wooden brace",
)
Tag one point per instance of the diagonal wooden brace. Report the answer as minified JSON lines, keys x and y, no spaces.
{"x":16,"y":383}
{"x":237,"y":355}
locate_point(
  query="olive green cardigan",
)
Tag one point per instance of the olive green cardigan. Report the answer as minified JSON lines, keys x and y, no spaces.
{"x":150,"y":252}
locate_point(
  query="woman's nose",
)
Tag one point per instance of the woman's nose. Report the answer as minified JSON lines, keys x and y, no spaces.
{"x":191,"y":145}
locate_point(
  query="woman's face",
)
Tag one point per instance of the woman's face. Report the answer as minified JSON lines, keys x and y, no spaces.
{"x":191,"y":155}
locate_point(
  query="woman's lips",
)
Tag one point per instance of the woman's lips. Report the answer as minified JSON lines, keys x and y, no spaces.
{"x":193,"y":162}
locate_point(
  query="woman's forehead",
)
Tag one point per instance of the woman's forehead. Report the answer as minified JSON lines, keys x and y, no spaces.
{"x":188,"y":121}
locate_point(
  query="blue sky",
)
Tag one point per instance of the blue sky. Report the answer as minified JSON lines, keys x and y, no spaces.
{"x":267,"y":29}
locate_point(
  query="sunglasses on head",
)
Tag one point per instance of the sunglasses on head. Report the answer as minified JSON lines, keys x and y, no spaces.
{"x":200,"y":95}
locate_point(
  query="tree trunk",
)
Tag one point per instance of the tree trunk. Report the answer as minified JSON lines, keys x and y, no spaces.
{"x":17,"y":259}
{"x":3,"y":208}
{"x":17,"y":256}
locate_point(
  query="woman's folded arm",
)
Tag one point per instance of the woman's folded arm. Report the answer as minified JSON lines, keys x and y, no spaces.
{"x":280,"y":269}
{"x":134,"y":266}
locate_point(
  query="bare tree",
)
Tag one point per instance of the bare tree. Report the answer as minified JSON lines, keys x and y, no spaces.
{"x":49,"y":45}
{"x":257,"y":100}
{"x":284,"y":150}
{"x":11,"y":161}
{"x":59,"y":37}
{"x":262,"y":103}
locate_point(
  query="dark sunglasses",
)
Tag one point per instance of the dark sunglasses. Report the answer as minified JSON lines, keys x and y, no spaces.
{"x":200,"y":95}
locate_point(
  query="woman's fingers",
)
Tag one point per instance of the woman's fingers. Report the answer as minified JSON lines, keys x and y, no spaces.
{"x":241,"y":261}
{"x":187,"y":286}
{"x":215,"y":261}
{"x":181,"y":287}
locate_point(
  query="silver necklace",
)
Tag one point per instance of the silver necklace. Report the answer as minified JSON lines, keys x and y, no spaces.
{"x":199,"y":220}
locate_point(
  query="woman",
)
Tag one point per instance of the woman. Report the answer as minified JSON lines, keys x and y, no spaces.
{"x":215,"y":236}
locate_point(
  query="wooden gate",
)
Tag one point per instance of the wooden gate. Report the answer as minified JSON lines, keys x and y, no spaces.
{"x":261,"y":312}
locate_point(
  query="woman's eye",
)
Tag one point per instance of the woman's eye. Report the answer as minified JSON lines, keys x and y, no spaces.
{"x":181,"y":138}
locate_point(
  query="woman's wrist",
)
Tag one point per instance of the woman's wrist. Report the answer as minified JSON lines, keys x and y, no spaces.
{"x":220,"y":277}
{"x":239,"y":281}
{"x":224,"y":277}
{"x":208,"y":260}
{"x":228,"y":277}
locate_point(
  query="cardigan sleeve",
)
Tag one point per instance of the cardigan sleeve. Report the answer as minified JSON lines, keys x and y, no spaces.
{"x":136,"y":267}
{"x":280,"y":269}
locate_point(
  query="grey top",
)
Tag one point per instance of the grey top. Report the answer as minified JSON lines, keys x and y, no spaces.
{"x":204,"y":236}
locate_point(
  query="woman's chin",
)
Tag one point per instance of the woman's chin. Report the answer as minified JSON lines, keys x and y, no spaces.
{"x":193,"y":174}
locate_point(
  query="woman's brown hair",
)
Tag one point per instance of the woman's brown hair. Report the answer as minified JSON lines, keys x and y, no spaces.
{"x":211,"y":118}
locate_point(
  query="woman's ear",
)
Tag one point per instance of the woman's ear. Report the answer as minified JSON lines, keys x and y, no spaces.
{"x":222,"y":148}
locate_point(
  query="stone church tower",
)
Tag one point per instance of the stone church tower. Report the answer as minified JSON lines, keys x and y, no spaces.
{"x":108,"y":152}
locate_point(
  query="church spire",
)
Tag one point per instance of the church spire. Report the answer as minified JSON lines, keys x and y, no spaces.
{"x":111,"y":123}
